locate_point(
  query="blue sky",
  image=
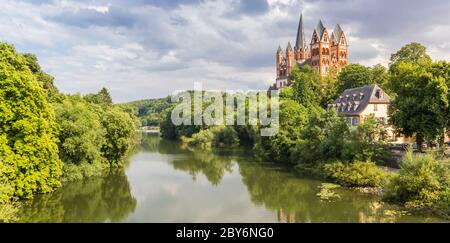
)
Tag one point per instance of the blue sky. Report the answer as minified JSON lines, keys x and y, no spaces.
{"x":150,"y":48}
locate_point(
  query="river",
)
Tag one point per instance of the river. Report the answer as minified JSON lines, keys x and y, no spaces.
{"x":164,"y":182}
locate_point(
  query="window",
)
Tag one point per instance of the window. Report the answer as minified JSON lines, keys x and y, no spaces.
{"x":355,"y":121}
{"x":375,"y":107}
{"x":349,"y":121}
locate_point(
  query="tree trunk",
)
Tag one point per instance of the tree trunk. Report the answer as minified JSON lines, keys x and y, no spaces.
{"x":419,"y":142}
{"x":442,"y":139}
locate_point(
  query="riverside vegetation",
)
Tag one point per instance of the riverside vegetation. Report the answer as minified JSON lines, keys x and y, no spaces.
{"x":48,"y":138}
{"x":316,"y":141}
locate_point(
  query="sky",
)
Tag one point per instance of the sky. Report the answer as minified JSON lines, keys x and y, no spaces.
{"x":142,"y":49}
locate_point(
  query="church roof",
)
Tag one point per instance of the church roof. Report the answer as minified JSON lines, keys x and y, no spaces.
{"x":289,"y":47}
{"x":320,"y":29}
{"x":354,"y":101}
{"x":301,"y":41}
{"x":279,"y":49}
{"x":337,"y":32}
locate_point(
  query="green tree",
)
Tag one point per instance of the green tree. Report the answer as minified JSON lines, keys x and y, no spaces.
{"x":29,"y":160}
{"x":306,"y":86}
{"x":120,"y":128}
{"x":46,"y":79}
{"x":293,"y":117}
{"x":81,"y":133}
{"x":329,"y":88}
{"x":103,"y":97}
{"x":414,"y":53}
{"x":380,"y":76}
{"x":353,"y":76}
{"x":441,"y":69}
{"x":420,"y":104}
{"x":368,"y":142}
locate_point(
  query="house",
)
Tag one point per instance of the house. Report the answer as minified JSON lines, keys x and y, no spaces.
{"x":357,"y":103}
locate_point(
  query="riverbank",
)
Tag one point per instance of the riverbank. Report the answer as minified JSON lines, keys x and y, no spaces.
{"x":166,"y":182}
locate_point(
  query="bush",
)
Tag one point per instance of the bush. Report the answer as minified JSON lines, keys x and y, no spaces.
{"x":76,"y":172}
{"x":422,"y":183}
{"x":202,"y":139}
{"x":8,"y":212}
{"x":224,"y":137}
{"x":356,"y":174}
{"x":322,"y":139}
{"x":214,"y":137}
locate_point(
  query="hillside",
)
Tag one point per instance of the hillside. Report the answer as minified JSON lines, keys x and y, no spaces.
{"x":148,"y":110}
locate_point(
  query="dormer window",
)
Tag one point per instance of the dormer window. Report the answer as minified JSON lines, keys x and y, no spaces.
{"x":379,"y":94}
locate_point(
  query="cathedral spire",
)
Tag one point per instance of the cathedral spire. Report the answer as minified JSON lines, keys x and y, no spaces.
{"x":301,"y":41}
{"x":289,"y":47}
{"x":320,"y":29}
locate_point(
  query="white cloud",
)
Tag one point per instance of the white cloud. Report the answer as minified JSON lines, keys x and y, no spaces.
{"x":141,"y":50}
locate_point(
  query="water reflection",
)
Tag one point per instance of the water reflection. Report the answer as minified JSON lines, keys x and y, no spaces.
{"x":166,"y":182}
{"x":106,"y":199}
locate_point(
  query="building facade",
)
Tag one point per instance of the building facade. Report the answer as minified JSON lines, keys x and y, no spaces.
{"x":354,"y":105}
{"x":325,"y":51}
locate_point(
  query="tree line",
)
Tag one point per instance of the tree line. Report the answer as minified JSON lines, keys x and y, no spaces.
{"x":46,"y":137}
{"x":316,"y":140}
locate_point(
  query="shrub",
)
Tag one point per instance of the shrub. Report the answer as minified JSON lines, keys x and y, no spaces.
{"x":215,"y":137}
{"x":356,"y":174}
{"x":224,"y":136}
{"x":202,"y":139}
{"x":422,"y":182}
{"x":8,"y":212}
{"x":76,"y":172}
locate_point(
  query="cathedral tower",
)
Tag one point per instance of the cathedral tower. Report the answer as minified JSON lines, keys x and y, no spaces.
{"x":326,"y":50}
{"x":301,"y":49}
{"x":321,"y":49}
{"x":339,"y":48}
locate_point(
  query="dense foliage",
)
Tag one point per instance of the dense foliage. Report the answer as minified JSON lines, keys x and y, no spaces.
{"x":47,"y":137}
{"x":29,"y":161}
{"x":421,"y":104}
{"x":356,"y":174}
{"x":149,"y":111}
{"x":422,"y":183}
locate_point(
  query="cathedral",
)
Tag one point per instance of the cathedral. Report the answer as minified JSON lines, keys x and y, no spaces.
{"x":324,"y":52}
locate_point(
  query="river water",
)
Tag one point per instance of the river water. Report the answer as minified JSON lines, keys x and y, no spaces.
{"x":164,"y":182}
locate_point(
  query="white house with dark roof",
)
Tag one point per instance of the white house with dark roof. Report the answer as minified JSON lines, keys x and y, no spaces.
{"x":357,"y":103}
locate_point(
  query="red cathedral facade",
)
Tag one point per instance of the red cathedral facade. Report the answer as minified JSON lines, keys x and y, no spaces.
{"x":326,"y":50}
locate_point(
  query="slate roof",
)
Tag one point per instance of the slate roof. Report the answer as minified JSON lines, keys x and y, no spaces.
{"x":279,"y":49}
{"x":353,"y":102}
{"x":337,"y":32}
{"x":289,"y":47}
{"x":320,"y":29}
{"x":301,"y":41}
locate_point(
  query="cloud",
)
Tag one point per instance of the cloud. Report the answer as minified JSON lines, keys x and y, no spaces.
{"x":150,"y":48}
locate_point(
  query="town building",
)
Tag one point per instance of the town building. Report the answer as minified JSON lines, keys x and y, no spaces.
{"x":358,"y":103}
{"x":325,"y":51}
{"x":354,"y":105}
